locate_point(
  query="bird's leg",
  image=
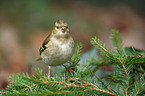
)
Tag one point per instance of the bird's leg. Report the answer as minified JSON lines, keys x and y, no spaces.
{"x":69,"y":69}
{"x":49,"y":67}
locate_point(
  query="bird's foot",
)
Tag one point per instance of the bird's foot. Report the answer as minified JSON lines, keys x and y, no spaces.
{"x":69,"y":69}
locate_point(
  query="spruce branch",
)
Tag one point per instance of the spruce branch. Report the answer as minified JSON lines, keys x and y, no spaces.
{"x":117,"y":42}
{"x":121,"y":59}
{"x":102,"y":48}
{"x":128,"y":78}
{"x":105,"y":52}
{"x":139,"y":86}
{"x":75,"y":59}
{"x":93,"y":73}
{"x":83,"y":86}
{"x":139,"y":89}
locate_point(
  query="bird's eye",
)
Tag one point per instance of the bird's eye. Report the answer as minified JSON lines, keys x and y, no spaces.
{"x":57,"y":27}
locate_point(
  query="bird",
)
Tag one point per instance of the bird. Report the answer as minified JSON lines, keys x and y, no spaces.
{"x":58,"y":47}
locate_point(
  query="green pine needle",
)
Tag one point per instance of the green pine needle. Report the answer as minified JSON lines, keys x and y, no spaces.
{"x":128,"y":78}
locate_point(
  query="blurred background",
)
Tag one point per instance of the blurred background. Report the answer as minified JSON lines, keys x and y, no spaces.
{"x":24,"y":24}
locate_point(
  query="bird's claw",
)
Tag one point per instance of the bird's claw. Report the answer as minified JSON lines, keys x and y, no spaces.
{"x":69,"y":69}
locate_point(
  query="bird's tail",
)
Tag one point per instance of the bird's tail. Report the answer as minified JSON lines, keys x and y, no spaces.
{"x":39,"y":59}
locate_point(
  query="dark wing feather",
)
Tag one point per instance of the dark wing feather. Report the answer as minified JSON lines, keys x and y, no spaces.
{"x":45,"y":42}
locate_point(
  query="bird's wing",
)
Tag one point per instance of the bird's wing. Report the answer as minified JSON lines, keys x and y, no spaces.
{"x":44,"y":44}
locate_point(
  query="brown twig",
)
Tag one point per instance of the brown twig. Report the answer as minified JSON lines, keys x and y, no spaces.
{"x":117,"y":43}
{"x":126,"y":74}
{"x":110,"y":88}
{"x":109,"y":85}
{"x":76,"y":56}
{"x":88,"y":83}
{"x":135,"y":56}
{"x":139,"y":90}
{"x":102,"y":47}
{"x":89,"y":88}
{"x":93,"y":74}
{"x":30,"y":87}
{"x":4,"y":91}
{"x":67,"y":85}
{"x":116,"y":61}
{"x":40,"y":82}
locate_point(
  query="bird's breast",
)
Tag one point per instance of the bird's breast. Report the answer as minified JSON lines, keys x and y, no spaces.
{"x":58,"y":52}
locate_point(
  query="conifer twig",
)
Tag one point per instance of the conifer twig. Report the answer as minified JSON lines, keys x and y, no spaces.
{"x":115,"y":61}
{"x":102,"y":47}
{"x":105,"y":50}
{"x":126,"y":74}
{"x":76,"y":58}
{"x":30,"y":87}
{"x":129,"y":71}
{"x":90,"y":89}
{"x":109,"y":85}
{"x":110,"y":88}
{"x":93,"y":73}
{"x":46,"y":82}
{"x":88,"y":83}
{"x":135,"y":56}
{"x":139,"y":90}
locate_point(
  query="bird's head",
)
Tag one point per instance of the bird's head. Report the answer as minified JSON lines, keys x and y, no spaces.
{"x":61,"y":28}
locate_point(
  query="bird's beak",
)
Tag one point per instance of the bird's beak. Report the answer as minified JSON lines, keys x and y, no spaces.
{"x":63,"y":29}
